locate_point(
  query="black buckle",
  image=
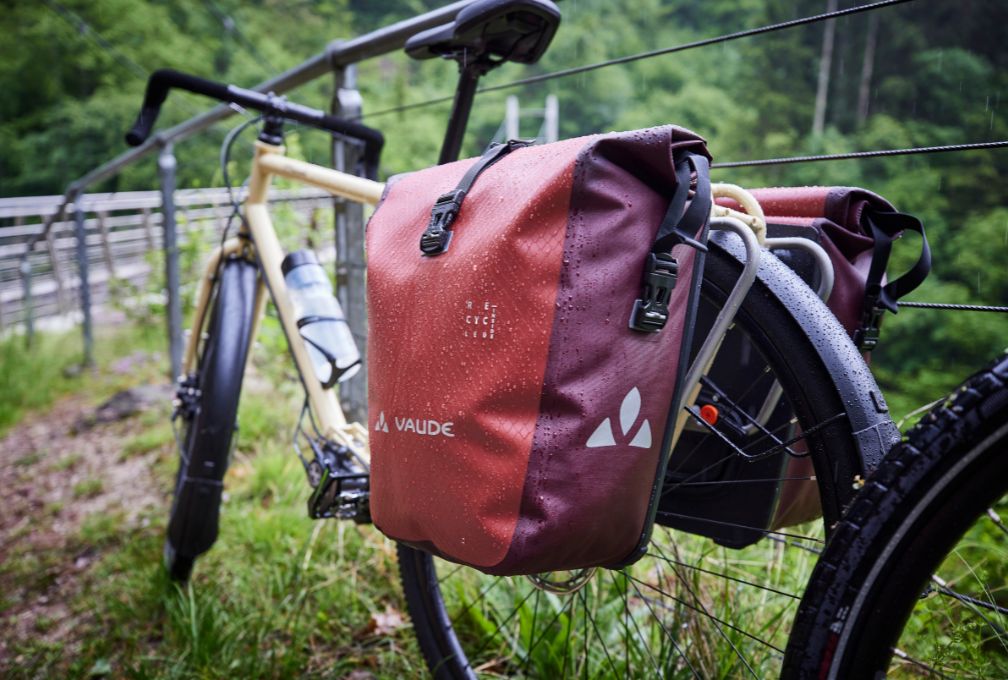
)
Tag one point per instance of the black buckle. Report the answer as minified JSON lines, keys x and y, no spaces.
{"x":866,"y":337}
{"x":650,"y":312}
{"x":438,"y":234}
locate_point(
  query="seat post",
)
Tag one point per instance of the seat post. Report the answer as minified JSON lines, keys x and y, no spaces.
{"x":469,"y":76}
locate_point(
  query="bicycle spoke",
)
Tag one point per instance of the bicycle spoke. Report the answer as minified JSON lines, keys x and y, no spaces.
{"x":626,"y":624}
{"x":726,"y":576}
{"x":708,"y":615}
{"x":605,"y":648}
{"x":503,"y":623}
{"x":974,"y":602}
{"x":899,"y":654}
{"x":535,"y":614}
{"x":703,"y":610}
{"x":800,"y":546}
{"x":944,"y":586}
{"x":447,"y":576}
{"x":744,"y":526}
{"x":654,"y":614}
{"x":769,"y":480}
{"x":584,"y":640}
{"x":996,"y":519}
{"x":633,"y":620}
{"x":528,"y":654}
{"x":567,"y":638}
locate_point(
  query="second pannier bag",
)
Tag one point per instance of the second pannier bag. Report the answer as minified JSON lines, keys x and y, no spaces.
{"x":528,"y":314}
{"x":856,"y":228}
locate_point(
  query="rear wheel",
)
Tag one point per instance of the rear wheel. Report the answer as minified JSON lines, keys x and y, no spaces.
{"x":690,"y":607}
{"x":915,"y":580}
{"x":208,"y":412}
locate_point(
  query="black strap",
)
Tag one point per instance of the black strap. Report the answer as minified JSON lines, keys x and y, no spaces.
{"x":316,"y":318}
{"x":437,"y":236}
{"x":682,"y":227}
{"x":885,"y":227}
{"x":650,"y":311}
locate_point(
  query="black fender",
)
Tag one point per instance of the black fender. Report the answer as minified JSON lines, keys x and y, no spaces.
{"x":864,"y":403}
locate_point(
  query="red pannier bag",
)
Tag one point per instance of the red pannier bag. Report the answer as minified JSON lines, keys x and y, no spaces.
{"x":856,"y":228}
{"x":525,"y":342}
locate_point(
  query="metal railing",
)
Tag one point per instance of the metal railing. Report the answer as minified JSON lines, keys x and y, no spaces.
{"x":338,"y":59}
{"x":122,"y":230}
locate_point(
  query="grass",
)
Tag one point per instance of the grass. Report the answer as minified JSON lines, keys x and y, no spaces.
{"x":31,"y":378}
{"x":66,"y":462}
{"x":150,"y":439}
{"x":88,"y":488}
{"x":278,"y":596}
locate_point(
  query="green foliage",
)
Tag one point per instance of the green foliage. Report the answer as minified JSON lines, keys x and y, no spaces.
{"x":31,"y":378}
{"x":74,"y":76}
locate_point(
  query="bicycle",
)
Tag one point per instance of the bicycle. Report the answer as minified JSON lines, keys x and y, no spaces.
{"x":918,"y":551}
{"x":805,"y":394}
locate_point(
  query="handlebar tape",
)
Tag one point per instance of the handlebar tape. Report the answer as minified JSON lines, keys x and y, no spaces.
{"x":158,"y":85}
{"x":161,"y":81}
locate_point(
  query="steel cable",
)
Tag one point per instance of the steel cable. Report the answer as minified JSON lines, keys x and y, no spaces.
{"x":649,"y":54}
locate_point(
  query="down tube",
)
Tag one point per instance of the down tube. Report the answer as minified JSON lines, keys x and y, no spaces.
{"x":324,"y":405}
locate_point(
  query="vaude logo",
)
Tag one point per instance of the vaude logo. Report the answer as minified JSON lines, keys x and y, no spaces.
{"x":425,"y":426}
{"x":628,"y":413}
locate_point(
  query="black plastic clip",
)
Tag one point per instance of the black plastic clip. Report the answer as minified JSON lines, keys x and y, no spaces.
{"x":650,"y":312}
{"x":438,"y":234}
{"x":866,"y":337}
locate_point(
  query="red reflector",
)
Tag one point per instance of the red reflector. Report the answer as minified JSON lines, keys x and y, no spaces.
{"x":709,"y":412}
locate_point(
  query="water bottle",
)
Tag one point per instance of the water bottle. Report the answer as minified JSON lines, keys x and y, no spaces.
{"x":320,"y":319}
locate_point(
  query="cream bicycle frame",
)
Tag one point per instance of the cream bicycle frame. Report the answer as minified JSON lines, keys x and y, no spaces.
{"x":257,"y":241}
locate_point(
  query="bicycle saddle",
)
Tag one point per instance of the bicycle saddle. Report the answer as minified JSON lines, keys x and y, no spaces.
{"x":505,"y":30}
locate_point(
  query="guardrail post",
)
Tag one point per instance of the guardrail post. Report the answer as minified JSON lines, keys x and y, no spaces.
{"x":551,"y":119}
{"x":106,"y":245}
{"x":347,"y":103}
{"x":80,"y":232}
{"x":166,"y":171}
{"x":148,"y":230}
{"x":55,"y":265}
{"x":26,"y":301}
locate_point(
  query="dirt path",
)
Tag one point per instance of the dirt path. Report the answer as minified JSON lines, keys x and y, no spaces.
{"x":62,"y":471}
